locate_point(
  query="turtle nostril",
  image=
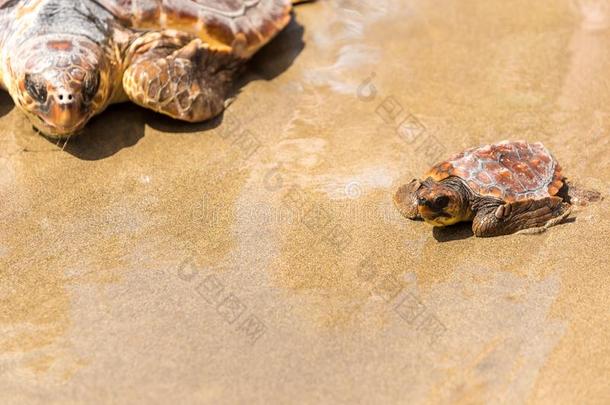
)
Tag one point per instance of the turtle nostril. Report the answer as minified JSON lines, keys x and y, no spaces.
{"x":421,"y":201}
{"x":65,"y":97}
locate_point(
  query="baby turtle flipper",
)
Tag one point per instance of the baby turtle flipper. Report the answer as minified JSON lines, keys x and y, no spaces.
{"x":405,"y":200}
{"x":180,"y":76}
{"x":526,"y":216}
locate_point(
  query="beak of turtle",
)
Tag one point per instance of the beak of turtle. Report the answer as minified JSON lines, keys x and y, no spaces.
{"x":424,"y":208}
{"x":427,"y":209}
{"x":65,"y":113}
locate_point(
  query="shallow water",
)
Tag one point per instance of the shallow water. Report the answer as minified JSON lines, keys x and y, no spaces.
{"x":130,"y":260}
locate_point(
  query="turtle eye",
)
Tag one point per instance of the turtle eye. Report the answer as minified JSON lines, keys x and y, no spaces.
{"x":441,"y":202}
{"x":91,"y":86}
{"x":36,"y":88}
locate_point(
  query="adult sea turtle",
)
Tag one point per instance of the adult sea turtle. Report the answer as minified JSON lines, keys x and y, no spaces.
{"x":64,"y":61}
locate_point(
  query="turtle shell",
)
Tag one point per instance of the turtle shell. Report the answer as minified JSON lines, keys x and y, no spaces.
{"x":239,"y":26}
{"x":509,"y":170}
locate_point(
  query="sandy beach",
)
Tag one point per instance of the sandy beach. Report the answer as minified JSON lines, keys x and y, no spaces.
{"x":258,"y":258}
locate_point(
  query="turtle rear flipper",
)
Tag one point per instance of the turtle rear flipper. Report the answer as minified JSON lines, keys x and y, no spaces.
{"x":180,"y":76}
{"x":525,"y":216}
{"x":577,"y":195}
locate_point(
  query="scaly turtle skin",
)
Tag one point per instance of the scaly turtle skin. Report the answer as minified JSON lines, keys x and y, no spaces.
{"x":502,"y":188}
{"x":64,"y":61}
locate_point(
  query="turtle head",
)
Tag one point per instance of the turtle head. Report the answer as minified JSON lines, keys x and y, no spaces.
{"x":439,"y":203}
{"x":60,"y":83}
{"x":442,"y":203}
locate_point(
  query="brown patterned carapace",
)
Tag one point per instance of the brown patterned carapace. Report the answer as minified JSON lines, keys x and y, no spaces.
{"x":510,"y":171}
{"x":241,"y":25}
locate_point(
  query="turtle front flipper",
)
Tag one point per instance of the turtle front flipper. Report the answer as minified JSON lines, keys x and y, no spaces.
{"x":178,"y":75}
{"x":405,"y":200}
{"x":527,"y":216}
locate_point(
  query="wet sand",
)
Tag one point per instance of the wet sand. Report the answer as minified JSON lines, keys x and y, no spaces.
{"x":258,"y":258}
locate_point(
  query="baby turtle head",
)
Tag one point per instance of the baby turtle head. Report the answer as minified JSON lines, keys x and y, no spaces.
{"x":439,"y":203}
{"x":60,"y":83}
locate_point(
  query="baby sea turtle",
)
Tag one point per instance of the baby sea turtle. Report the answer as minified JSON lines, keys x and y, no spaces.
{"x":502,"y":188}
{"x":64,"y":61}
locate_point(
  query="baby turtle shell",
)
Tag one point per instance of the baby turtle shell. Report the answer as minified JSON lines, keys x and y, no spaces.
{"x":509,"y":170}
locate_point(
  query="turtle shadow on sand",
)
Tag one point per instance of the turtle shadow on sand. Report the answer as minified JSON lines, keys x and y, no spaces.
{"x":459,"y":231}
{"x":277,"y":56}
{"x":122,"y":125}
